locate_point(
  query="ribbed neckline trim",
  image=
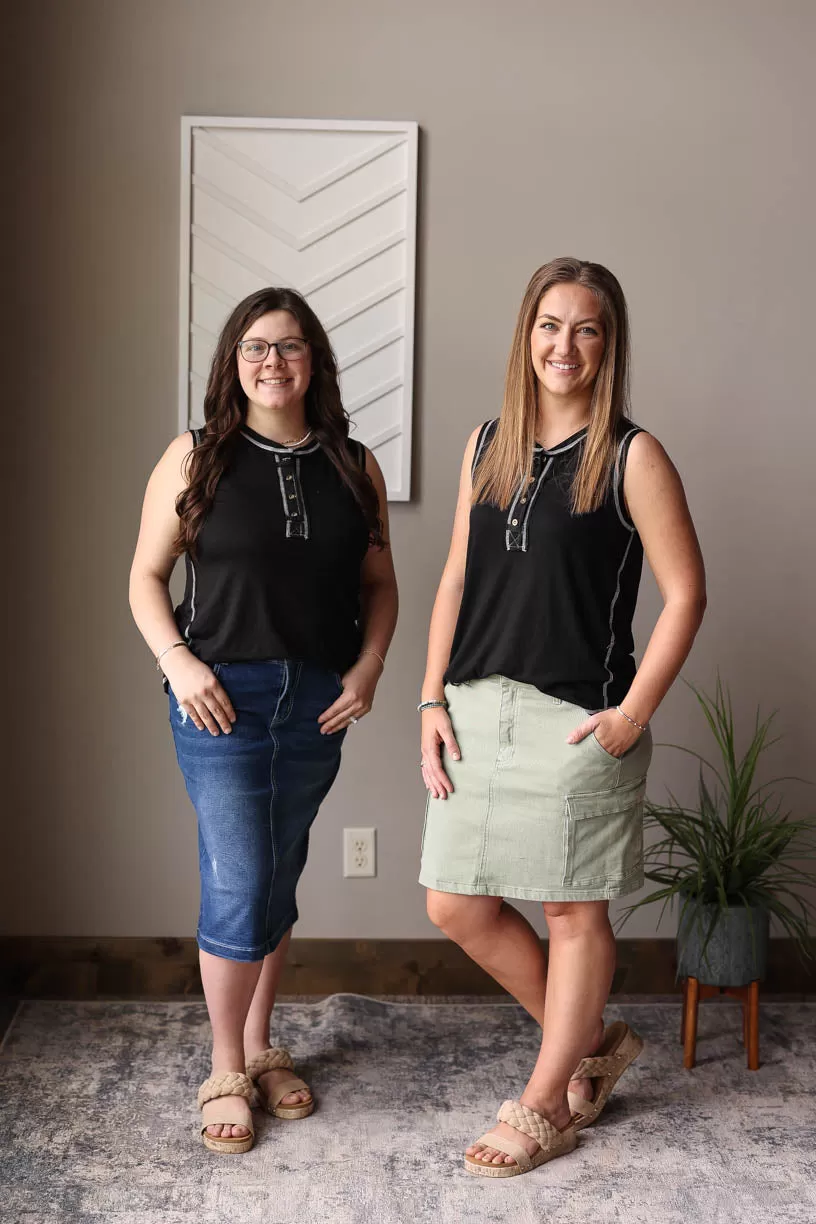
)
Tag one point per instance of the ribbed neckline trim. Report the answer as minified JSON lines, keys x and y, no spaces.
{"x":267,"y":444}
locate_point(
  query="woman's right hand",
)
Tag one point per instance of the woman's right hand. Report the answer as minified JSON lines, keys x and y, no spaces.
{"x":436,"y":731}
{"x":198,"y":690}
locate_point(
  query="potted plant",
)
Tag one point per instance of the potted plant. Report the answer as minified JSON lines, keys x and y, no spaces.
{"x":732,"y":861}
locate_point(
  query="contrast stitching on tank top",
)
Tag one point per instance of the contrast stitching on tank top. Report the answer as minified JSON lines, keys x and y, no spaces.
{"x":197,"y":435}
{"x":508,"y":530}
{"x":283,"y":494}
{"x":609,"y":679}
{"x":557,"y":450}
{"x":616,"y":480}
{"x":545,"y":469}
{"x":192,"y":602}
{"x":515,"y":538}
{"x":480,"y":446}
{"x":296,"y":517}
{"x":301,"y":500}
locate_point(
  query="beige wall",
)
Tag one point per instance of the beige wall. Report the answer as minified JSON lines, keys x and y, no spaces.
{"x":671,"y":142}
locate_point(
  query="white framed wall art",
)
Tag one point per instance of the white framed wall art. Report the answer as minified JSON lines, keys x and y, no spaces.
{"x":327,"y":207}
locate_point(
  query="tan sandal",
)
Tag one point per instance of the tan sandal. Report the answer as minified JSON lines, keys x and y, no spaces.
{"x":232,"y":1083}
{"x":271,"y":1060}
{"x":551,"y":1141}
{"x":619,"y":1048}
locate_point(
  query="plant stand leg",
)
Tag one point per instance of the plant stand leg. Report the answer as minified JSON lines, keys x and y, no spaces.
{"x":690,"y":1022}
{"x":683,"y":1014}
{"x":745,"y":1004}
{"x":753,"y":1027}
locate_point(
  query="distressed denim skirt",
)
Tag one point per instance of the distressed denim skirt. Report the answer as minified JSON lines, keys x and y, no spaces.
{"x":256,"y":793}
{"x":532,"y":816}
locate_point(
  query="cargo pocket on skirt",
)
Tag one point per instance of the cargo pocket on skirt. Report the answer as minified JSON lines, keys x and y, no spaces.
{"x":605,"y":836}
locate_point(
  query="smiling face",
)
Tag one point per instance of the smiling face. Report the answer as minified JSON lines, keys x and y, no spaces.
{"x":275,"y":383}
{"x":567,"y":341}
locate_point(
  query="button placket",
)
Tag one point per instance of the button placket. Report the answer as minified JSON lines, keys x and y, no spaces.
{"x":522,"y":504}
{"x":297,"y":522}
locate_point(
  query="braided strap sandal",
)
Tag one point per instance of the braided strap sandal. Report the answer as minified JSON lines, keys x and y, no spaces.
{"x":619,"y":1048}
{"x":551,"y":1141}
{"x":271,"y":1060}
{"x":232,"y":1083}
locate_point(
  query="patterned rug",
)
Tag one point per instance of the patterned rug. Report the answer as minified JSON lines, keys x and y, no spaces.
{"x":99,"y":1122}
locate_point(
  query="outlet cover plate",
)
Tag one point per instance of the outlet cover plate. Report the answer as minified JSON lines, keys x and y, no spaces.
{"x":359,"y":852}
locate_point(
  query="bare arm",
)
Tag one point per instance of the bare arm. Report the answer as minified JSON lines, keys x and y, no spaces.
{"x":378,"y":615}
{"x":195,"y":686}
{"x":379,"y":599}
{"x":436,"y":725}
{"x":153,"y":560}
{"x":657,"y":505}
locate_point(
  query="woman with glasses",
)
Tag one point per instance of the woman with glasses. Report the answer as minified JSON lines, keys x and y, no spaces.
{"x":532,"y":692}
{"x":273,"y":653}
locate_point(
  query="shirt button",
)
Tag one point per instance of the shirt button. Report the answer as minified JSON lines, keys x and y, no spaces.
{"x":290,"y":477}
{"x":515,"y":522}
{"x":531,"y":480}
{"x":524,"y":498}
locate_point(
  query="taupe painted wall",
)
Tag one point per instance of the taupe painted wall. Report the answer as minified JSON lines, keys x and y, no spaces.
{"x":671,"y":142}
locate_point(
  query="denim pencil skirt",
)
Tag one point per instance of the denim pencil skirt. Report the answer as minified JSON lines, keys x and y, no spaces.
{"x":256,"y":792}
{"x":532,"y":816}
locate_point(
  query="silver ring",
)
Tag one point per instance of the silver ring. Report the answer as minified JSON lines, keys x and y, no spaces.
{"x":352,"y":719}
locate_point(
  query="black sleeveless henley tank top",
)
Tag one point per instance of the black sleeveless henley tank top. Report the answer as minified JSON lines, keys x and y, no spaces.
{"x":549,"y":595}
{"x":276,"y":573}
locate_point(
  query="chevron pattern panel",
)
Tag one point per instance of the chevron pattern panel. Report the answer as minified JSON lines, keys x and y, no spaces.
{"x":325,"y":207}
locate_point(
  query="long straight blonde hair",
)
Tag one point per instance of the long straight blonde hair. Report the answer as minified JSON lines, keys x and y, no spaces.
{"x":509,"y":458}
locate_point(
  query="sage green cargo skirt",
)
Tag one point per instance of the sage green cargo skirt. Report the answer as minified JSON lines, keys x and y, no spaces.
{"x":532,"y":816}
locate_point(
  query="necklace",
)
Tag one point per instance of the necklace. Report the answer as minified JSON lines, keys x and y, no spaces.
{"x":293,"y":442}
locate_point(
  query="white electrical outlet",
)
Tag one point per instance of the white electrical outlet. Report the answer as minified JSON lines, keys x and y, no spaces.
{"x":359,"y":852}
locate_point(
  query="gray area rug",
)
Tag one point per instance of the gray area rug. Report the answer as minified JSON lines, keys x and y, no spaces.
{"x":99,"y":1122}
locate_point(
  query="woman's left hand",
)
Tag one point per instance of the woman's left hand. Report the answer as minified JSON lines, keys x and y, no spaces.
{"x":357,"y":696}
{"x":612,"y":731}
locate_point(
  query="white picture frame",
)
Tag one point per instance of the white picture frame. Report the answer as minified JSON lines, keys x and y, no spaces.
{"x":324,"y":206}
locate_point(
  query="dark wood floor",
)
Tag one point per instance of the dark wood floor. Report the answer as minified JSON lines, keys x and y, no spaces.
{"x":140,"y":968}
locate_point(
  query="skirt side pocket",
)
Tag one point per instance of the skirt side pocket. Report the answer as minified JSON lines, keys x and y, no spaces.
{"x":604,"y":835}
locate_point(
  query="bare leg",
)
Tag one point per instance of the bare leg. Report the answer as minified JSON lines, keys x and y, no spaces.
{"x":228,"y":989}
{"x":582,"y":962}
{"x":502,"y":942}
{"x":499,"y":939}
{"x":256,"y":1029}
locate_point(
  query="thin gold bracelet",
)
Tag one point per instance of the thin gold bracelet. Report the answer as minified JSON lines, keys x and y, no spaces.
{"x":376,"y":656}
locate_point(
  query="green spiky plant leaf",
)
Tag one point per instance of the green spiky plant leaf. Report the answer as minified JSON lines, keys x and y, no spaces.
{"x":737,"y":846}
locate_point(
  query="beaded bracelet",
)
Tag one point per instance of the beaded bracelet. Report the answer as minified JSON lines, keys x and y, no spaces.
{"x":640,"y":726}
{"x":432,"y":705}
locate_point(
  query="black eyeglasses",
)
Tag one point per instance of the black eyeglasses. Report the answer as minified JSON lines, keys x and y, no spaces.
{"x":292,"y":349}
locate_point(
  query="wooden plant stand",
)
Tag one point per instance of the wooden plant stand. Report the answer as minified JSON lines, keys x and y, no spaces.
{"x":694,"y":991}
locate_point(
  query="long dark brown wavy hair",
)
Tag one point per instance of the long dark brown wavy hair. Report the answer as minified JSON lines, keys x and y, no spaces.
{"x":509,"y":457}
{"x":225,"y":410}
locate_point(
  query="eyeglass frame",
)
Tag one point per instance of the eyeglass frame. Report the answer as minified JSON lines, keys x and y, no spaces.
{"x":272,"y":344}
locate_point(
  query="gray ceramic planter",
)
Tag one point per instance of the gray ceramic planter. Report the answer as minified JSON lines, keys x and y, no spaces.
{"x":736,"y":953}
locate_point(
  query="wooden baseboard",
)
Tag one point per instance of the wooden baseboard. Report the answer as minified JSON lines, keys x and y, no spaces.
{"x":139,"y":968}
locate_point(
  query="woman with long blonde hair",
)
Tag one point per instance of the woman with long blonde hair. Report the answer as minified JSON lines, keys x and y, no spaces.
{"x":535,"y":718}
